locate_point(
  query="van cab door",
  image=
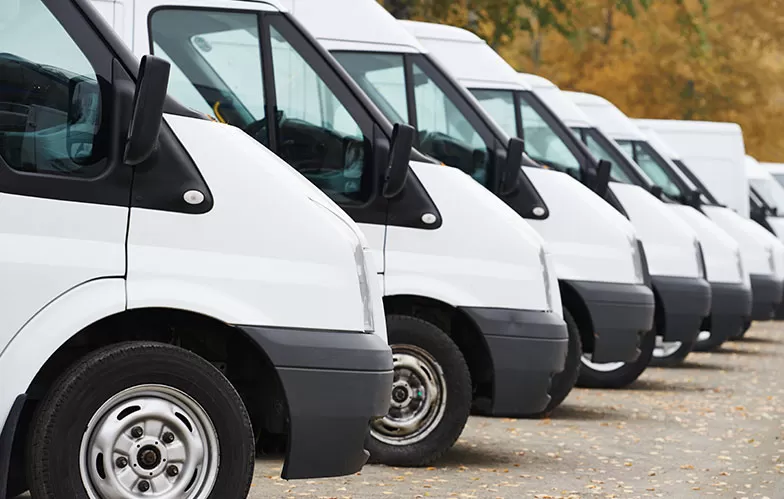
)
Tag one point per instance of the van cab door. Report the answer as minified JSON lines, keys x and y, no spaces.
{"x":64,"y":192}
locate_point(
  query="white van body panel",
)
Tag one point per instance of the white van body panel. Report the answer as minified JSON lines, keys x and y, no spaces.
{"x":668,"y":240}
{"x":249,"y":263}
{"x":754,"y":250}
{"x":719,"y":249}
{"x":49,"y":328}
{"x":497,"y":266}
{"x":563,"y":107}
{"x":588,"y":239}
{"x":714,"y":152}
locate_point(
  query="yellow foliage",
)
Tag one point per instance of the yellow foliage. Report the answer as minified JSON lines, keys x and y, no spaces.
{"x":729,"y":66}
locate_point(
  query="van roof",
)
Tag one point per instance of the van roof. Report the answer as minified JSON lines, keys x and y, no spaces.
{"x":453,"y":46}
{"x":281,"y":5}
{"x":607,"y":117}
{"x":361,"y":25}
{"x":704,"y":127}
{"x":775,"y":168}
{"x":754,"y":169}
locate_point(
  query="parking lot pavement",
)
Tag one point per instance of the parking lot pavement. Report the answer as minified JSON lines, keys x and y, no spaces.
{"x":713,"y":428}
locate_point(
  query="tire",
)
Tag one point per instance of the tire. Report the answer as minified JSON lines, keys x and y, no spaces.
{"x":564,"y":381}
{"x":151,"y":376}
{"x":413,"y":339}
{"x":708,"y":345}
{"x":673,"y":358}
{"x":16,"y":486}
{"x":624,"y":374}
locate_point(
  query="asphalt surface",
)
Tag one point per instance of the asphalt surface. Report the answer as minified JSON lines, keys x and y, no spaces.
{"x":712,"y":428}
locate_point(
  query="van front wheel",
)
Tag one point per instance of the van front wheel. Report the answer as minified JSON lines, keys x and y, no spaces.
{"x":137,"y":418}
{"x":430,"y":399}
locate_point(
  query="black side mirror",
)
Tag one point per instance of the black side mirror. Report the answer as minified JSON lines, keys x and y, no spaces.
{"x":148,"y":100}
{"x":657,"y":191}
{"x":693,"y":199}
{"x":510,"y":174}
{"x":602,"y":179}
{"x":399,"y":154}
{"x":84,"y":114}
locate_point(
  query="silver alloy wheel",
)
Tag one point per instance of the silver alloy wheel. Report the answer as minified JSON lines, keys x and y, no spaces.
{"x":664,"y":349}
{"x":149,"y":441}
{"x":603,"y":367}
{"x":418,"y":398}
{"x":704,"y":336}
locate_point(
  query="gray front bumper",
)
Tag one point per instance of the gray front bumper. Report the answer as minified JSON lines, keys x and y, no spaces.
{"x":527,"y":349}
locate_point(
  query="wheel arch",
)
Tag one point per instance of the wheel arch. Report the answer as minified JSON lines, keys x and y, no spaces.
{"x":574,"y":303}
{"x":459,"y":327}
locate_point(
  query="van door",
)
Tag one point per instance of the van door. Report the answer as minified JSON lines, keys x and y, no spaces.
{"x":64,"y":193}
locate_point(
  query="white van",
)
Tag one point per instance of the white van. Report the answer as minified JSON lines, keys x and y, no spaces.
{"x":731,"y":294}
{"x":159,"y":308}
{"x":711,"y":154}
{"x":775,"y":169}
{"x":766,"y":197}
{"x":600,"y":269}
{"x":673,"y":258}
{"x":472,"y":301}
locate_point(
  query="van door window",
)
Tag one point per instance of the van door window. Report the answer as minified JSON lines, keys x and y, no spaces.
{"x":445,"y":133}
{"x":500,"y":104}
{"x":51,"y":101}
{"x":544,"y":145}
{"x":650,"y":164}
{"x":220,"y":54}
{"x":316,"y":133}
{"x":216,"y":56}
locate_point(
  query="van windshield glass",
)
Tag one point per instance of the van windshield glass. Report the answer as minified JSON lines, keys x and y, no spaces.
{"x":779,"y":178}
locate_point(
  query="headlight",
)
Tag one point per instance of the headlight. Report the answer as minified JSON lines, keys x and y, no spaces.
{"x":702,"y":272}
{"x":771,"y":260}
{"x":638,"y":260}
{"x":364,"y":288}
{"x":548,"y":289}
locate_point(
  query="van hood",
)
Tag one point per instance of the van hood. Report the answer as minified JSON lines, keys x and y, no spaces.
{"x":669,"y":242}
{"x":720,"y":249}
{"x":754,"y":241}
{"x":587,"y":238}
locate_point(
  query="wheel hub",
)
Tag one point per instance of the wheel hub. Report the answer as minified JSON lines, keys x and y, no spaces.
{"x":664,"y":349}
{"x":605,"y":367}
{"x":138,"y":437}
{"x":418,"y":398}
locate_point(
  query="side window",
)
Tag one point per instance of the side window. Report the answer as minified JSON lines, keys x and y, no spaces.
{"x":316,"y":133}
{"x":216,"y":63}
{"x":599,"y":152}
{"x":543,"y":144}
{"x":655,"y":172}
{"x":51,"y":102}
{"x":500,"y":105}
{"x":382,"y":77}
{"x":444,"y":132}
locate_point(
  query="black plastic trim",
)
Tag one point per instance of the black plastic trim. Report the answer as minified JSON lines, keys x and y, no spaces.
{"x":685,"y":302}
{"x":620,"y":315}
{"x":527,"y":349}
{"x":731,"y":305}
{"x":334,"y":380}
{"x":7,"y":441}
{"x":766,"y":293}
{"x":317,"y":349}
